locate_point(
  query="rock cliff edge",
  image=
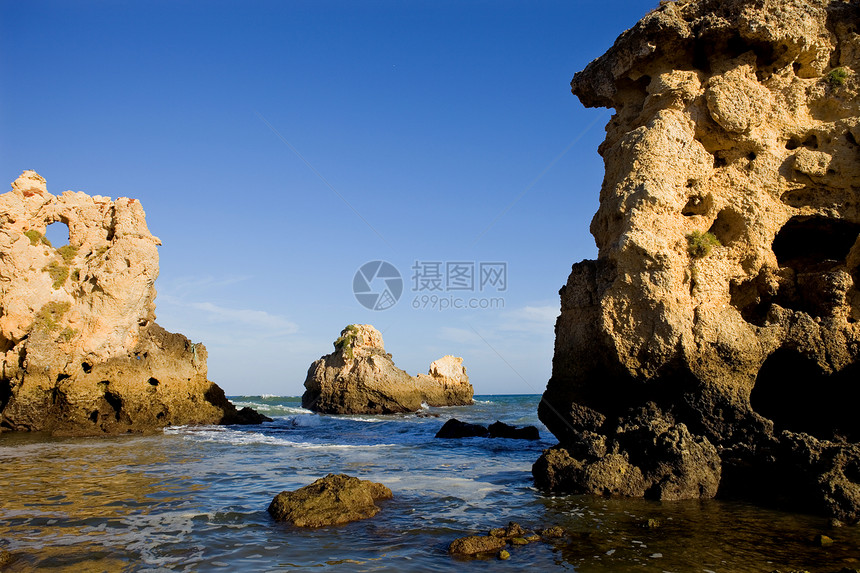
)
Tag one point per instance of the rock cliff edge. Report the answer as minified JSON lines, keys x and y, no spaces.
{"x":714,"y":345}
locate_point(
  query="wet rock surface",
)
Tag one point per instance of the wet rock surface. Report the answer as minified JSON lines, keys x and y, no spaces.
{"x":332,"y":500}
{"x":454,"y":428}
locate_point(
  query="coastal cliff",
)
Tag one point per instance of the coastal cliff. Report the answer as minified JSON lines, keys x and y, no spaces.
{"x":714,"y":345}
{"x":360,"y":377}
{"x":81,"y":353}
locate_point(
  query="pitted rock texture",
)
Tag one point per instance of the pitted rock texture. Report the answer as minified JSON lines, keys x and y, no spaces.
{"x":740,"y":118}
{"x":81,"y":351}
{"x":359,"y":377}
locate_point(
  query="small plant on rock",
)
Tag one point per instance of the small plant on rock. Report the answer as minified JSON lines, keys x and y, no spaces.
{"x":36,"y":237}
{"x":59,"y":273}
{"x":48,"y":317}
{"x":346,"y":341}
{"x":68,"y":253}
{"x":699,"y":244}
{"x":837,"y":76}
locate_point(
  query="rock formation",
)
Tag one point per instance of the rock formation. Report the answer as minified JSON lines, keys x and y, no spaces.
{"x":719,"y":323}
{"x":359,"y":377}
{"x":81,"y":353}
{"x":332,"y":500}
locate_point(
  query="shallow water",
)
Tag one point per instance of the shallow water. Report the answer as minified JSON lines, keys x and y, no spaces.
{"x":195,"y":499}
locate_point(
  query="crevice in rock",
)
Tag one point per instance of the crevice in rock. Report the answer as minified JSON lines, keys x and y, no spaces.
{"x":5,"y":393}
{"x":729,"y":226}
{"x":86,"y":367}
{"x":793,"y":391}
{"x":698,"y":205}
{"x":115,"y":402}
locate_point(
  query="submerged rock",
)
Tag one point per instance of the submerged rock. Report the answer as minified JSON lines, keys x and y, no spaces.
{"x":359,"y":377}
{"x":332,"y":500}
{"x":720,"y":322}
{"x":81,"y":351}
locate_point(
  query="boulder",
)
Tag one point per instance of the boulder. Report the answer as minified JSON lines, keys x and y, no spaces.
{"x":360,"y":377}
{"x":81,"y":352}
{"x":332,"y":500}
{"x":721,"y":317}
{"x":454,"y":428}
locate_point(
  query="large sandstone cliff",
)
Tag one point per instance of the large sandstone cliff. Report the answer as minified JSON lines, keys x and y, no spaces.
{"x":360,"y":377}
{"x":81,"y":353}
{"x":738,"y":367}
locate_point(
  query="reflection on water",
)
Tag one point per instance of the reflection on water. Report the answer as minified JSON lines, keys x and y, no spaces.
{"x":194,"y":499}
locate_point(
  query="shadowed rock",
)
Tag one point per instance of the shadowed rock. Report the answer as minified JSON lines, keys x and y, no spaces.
{"x":454,"y":428}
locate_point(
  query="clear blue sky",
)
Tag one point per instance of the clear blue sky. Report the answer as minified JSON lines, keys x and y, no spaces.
{"x":439,"y":125}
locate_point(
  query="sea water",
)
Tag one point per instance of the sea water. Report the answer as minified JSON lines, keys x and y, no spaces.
{"x":195,"y":499}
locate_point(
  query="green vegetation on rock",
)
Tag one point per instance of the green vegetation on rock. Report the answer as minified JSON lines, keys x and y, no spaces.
{"x":699,"y":244}
{"x":346,"y":341}
{"x":48,"y":317}
{"x":837,"y":76}
{"x":59,"y":273}
{"x":67,"y":334}
{"x":36,"y":237}
{"x":68,"y":253}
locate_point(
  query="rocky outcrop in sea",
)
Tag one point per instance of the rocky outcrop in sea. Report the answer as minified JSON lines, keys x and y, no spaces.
{"x":714,"y":345}
{"x":360,"y":377}
{"x":81,"y":352}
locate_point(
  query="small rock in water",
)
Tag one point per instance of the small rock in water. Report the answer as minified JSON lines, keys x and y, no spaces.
{"x":823,"y":540}
{"x":651,"y":523}
{"x":475,"y":544}
{"x":553,"y":532}
{"x":332,"y":500}
{"x":504,"y":555}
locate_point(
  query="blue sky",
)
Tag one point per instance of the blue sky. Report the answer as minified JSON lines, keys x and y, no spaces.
{"x":277,"y":146}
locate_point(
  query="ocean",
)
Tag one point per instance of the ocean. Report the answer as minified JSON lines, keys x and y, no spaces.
{"x":195,"y":499}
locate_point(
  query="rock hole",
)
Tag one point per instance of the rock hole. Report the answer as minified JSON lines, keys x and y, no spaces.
{"x":796,"y":67}
{"x":160,"y":416}
{"x":86,"y":367}
{"x":728,"y":227}
{"x":794,"y":392}
{"x":103,"y":385}
{"x":153,"y":381}
{"x":697,"y":205}
{"x":58,"y":233}
{"x":5,"y":393}
{"x":94,"y":416}
{"x":61,"y":377}
{"x":814,"y":243}
{"x":811,"y":142}
{"x":850,"y":137}
{"x":115,"y":402}
{"x":719,"y":162}
{"x":792,"y":144}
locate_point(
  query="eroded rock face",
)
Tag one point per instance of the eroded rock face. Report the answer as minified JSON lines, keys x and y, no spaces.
{"x":81,"y":351}
{"x":359,"y":377}
{"x":332,"y":500}
{"x":742,"y":119}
